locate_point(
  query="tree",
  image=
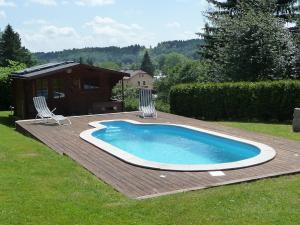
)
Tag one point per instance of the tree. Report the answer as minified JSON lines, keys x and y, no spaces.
{"x":90,"y":61}
{"x":11,"y":48}
{"x":188,"y":71}
{"x":5,"y":82}
{"x":251,"y":45}
{"x":134,"y":66}
{"x":147,"y":64}
{"x":130,"y":96}
{"x":286,"y":9}
{"x":80,"y":60}
{"x":167,"y":61}
{"x":297,"y":41}
{"x":193,"y":71}
{"x":109,"y":65}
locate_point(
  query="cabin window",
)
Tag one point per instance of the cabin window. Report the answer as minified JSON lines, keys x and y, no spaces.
{"x":58,"y":89}
{"x":42,"y":87}
{"x":90,"y":84}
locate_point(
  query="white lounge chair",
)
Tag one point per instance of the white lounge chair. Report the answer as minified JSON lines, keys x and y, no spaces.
{"x":44,"y":113}
{"x":146,"y":104}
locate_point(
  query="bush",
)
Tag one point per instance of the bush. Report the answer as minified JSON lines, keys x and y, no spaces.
{"x":131,"y":96}
{"x":272,"y":100}
{"x":131,"y":104}
{"x":162,"y":106}
{"x":5,"y":83}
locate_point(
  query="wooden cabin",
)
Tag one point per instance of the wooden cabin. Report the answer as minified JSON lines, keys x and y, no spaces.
{"x":71,"y":88}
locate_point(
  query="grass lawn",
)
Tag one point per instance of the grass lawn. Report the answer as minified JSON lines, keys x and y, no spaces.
{"x":38,"y":186}
{"x":280,"y":130}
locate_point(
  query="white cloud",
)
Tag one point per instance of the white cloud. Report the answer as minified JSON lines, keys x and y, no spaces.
{"x":112,"y":32}
{"x":51,"y":38}
{"x":2,"y":14}
{"x":173,"y":25}
{"x":94,"y":2}
{"x":52,"y":31}
{"x":99,"y":32}
{"x":7,"y":3}
{"x":45,"y":2}
{"x":108,"y":26}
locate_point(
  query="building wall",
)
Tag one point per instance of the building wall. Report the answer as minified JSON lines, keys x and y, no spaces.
{"x":142,"y":80}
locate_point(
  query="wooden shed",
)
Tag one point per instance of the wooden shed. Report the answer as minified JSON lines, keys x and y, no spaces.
{"x":71,"y":88}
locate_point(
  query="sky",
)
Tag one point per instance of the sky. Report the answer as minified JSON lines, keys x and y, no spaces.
{"x":53,"y":25}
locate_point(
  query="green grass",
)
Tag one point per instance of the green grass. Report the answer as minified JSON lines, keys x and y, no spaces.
{"x":280,"y":130}
{"x":38,"y":186}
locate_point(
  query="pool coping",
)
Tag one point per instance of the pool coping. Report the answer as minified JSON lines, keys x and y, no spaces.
{"x":267,"y":153}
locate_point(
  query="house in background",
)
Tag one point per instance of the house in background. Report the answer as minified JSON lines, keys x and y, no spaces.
{"x":71,"y":88}
{"x":139,"y":79}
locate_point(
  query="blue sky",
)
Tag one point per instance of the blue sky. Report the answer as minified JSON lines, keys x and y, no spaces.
{"x":50,"y":25}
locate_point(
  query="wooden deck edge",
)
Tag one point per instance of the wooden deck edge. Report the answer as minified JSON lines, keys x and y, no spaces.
{"x":22,"y":130}
{"x":226,"y":183}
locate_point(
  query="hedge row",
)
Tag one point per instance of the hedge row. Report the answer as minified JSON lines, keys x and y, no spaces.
{"x":272,"y":100}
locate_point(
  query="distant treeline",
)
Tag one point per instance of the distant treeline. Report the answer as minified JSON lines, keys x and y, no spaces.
{"x":123,"y":56}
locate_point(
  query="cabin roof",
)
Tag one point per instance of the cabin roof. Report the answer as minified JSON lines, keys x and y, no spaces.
{"x":52,"y":68}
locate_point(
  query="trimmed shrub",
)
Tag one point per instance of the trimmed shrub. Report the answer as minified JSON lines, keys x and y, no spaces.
{"x":268,"y":100}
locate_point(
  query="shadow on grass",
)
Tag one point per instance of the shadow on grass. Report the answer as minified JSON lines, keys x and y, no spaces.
{"x":7,"y":121}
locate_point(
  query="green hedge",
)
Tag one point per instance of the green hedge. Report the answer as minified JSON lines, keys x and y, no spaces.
{"x":272,"y":100}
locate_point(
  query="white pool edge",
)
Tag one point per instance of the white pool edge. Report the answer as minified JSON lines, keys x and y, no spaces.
{"x":267,"y":153}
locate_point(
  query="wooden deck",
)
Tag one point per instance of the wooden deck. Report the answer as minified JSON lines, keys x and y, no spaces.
{"x":137,"y":182}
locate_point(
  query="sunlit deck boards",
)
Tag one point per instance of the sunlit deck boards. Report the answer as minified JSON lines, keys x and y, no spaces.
{"x":137,"y":182}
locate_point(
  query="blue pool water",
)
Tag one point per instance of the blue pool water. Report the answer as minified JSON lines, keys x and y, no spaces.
{"x":173,"y":144}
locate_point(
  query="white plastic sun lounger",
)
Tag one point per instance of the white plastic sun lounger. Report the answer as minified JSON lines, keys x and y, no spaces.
{"x":146,"y":104}
{"x":44,"y":113}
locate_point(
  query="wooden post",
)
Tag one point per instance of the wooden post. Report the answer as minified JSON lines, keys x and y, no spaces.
{"x":123,"y":104}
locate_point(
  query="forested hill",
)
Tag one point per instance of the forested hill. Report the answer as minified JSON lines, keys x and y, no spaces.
{"x":188,"y":48}
{"x":125,"y":56}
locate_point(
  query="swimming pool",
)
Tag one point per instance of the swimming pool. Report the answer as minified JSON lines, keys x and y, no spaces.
{"x":174,"y":146}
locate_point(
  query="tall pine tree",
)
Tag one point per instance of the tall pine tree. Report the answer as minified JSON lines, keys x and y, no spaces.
{"x":11,"y":48}
{"x":245,"y":41}
{"x":147,"y":64}
{"x":289,"y":10}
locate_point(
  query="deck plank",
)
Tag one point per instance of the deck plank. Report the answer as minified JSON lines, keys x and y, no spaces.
{"x":138,"y":182}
